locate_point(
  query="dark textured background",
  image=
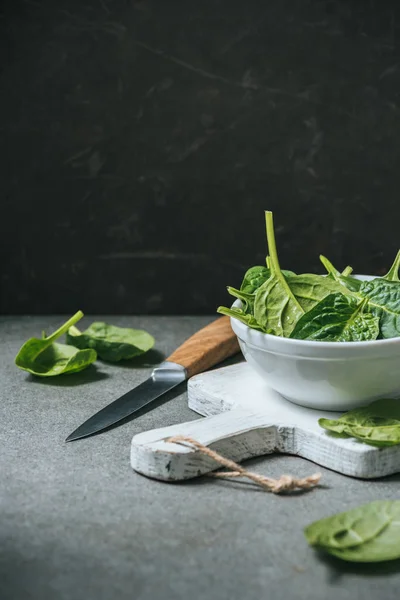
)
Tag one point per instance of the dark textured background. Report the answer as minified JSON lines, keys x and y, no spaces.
{"x":142,"y":140}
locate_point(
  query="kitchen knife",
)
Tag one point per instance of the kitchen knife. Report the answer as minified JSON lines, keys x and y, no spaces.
{"x":200,"y":352}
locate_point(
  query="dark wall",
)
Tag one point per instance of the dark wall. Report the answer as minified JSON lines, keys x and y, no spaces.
{"x":142,"y":140}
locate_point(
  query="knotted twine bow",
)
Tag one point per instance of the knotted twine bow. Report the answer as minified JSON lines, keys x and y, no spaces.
{"x":286,"y":483}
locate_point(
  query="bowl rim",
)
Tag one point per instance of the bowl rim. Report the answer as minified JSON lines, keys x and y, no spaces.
{"x":285,"y":343}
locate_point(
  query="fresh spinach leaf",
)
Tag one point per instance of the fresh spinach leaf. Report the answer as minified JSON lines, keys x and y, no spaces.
{"x":241,"y":315}
{"x":111,"y":343}
{"x":384,"y":302}
{"x":310,"y":289}
{"x":254,"y":278}
{"x":344,"y":278}
{"x":349,"y":529}
{"x":393,"y":273}
{"x":45,"y":358}
{"x":347,"y":271}
{"x":288,"y":274}
{"x":275,"y":306}
{"x":332,"y":271}
{"x":282,"y":300}
{"x":246,"y":298}
{"x":246,"y":295}
{"x":337,"y":318}
{"x":377,"y":424}
{"x":368,"y":533}
{"x":350,"y":283}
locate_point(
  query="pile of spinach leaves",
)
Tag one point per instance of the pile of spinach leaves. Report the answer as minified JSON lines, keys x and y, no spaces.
{"x":377,"y":424}
{"x":335,"y":307}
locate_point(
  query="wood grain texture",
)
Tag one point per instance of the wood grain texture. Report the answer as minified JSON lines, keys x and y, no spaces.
{"x":245,"y":418}
{"x":206,"y":348}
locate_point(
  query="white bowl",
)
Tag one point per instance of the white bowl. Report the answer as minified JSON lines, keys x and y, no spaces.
{"x":323,"y":375}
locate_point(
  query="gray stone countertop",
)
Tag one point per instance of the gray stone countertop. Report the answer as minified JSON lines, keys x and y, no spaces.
{"x":77,"y":523}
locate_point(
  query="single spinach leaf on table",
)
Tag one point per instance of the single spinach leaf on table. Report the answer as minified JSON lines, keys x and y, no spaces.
{"x":349,"y":529}
{"x":383,"y":302}
{"x":368,"y":533}
{"x":111,"y":343}
{"x":46,"y":358}
{"x":337,"y":318}
{"x":393,"y":273}
{"x":377,"y":424}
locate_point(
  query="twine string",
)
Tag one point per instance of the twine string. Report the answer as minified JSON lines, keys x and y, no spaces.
{"x":286,"y":483}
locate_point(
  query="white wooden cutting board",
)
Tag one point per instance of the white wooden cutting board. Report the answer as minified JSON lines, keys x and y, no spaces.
{"x":245,"y":418}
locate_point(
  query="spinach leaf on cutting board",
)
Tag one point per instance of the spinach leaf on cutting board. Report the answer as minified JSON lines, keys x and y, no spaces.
{"x":368,"y":533}
{"x":110,"y":342}
{"x":377,"y":424}
{"x":46,"y":358}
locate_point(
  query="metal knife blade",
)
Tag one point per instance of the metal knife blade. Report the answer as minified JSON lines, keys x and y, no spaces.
{"x":204,"y":349}
{"x":163,"y":378}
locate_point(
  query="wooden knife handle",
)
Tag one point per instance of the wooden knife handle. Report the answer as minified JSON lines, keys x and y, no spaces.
{"x":207,"y":347}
